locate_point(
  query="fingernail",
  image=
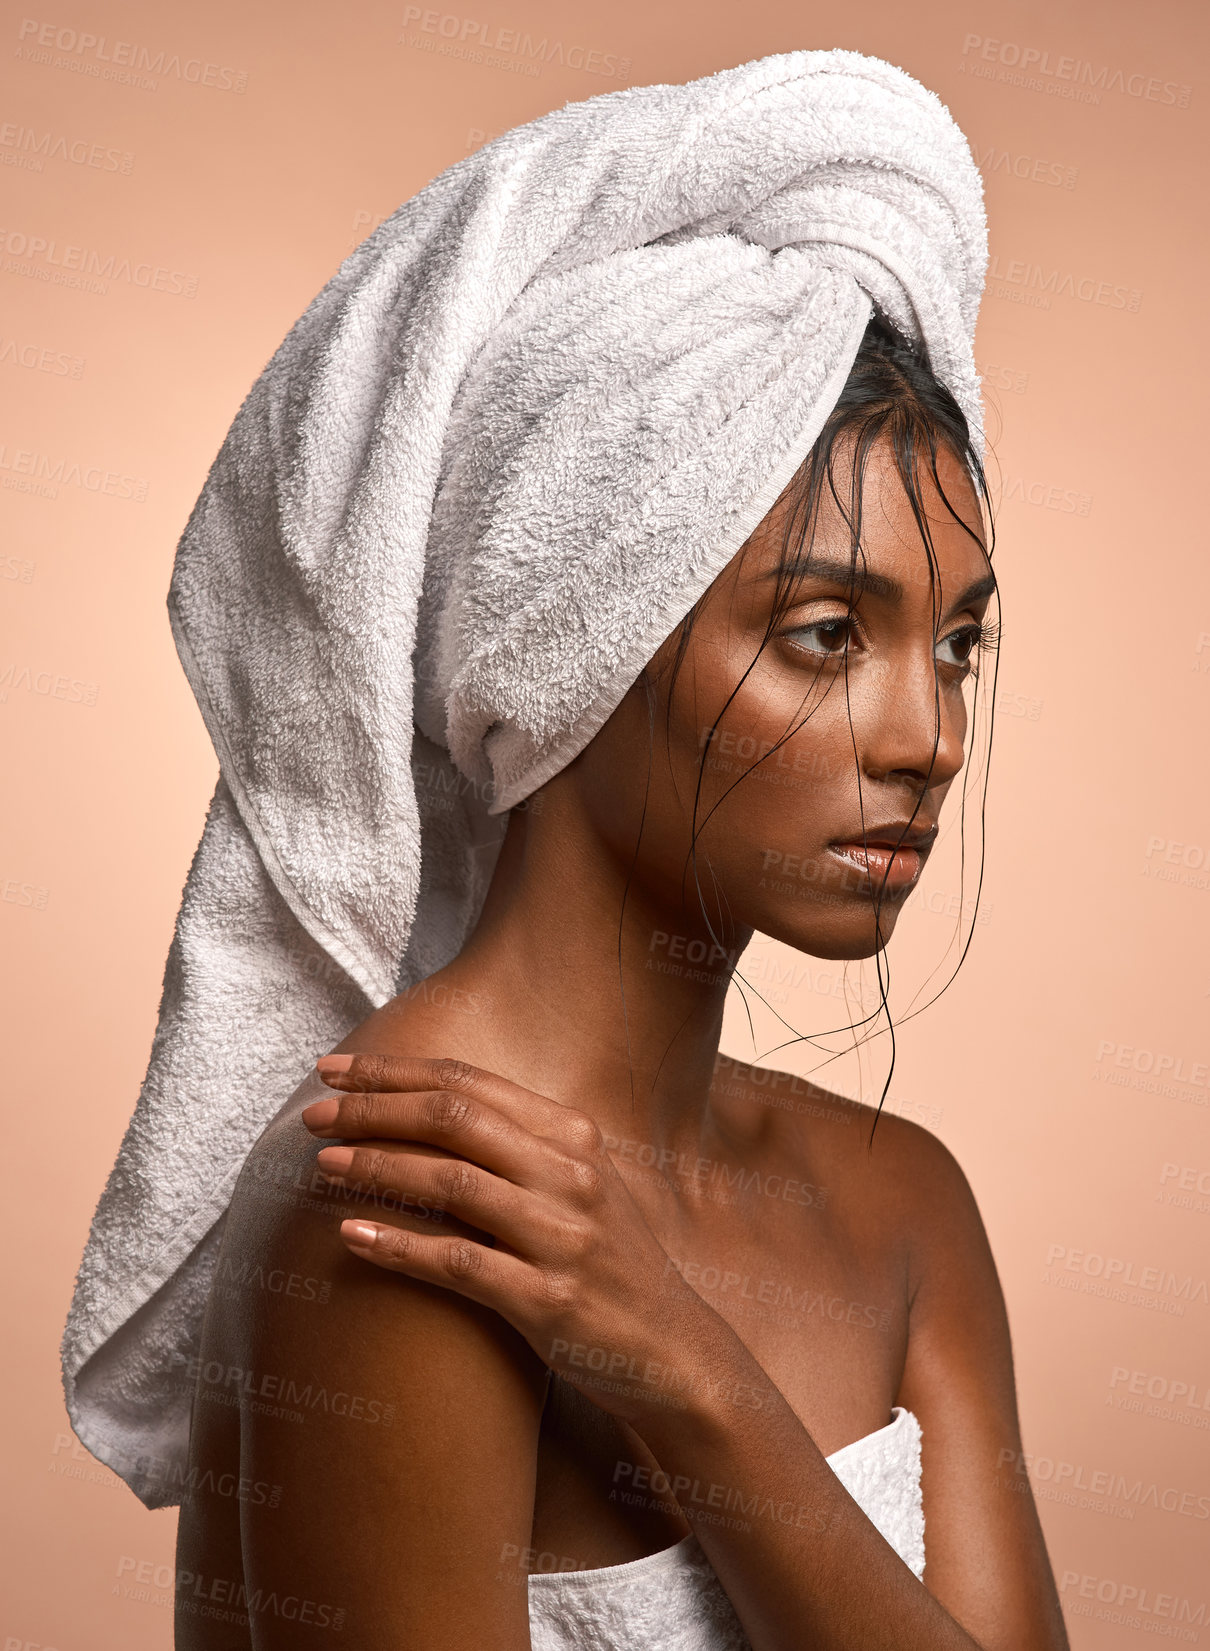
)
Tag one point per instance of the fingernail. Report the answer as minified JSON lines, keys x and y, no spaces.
{"x":335,"y":1160}
{"x":359,"y":1232}
{"x":333,"y":1063}
{"x":320,"y":1114}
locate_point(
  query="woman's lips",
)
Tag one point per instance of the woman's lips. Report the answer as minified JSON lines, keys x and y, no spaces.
{"x":891,"y":869}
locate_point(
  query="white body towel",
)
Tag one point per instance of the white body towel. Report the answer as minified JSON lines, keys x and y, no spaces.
{"x":488,"y":471}
{"x":674,"y":1601}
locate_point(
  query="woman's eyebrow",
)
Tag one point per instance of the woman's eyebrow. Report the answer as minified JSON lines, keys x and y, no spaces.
{"x":832,"y":571}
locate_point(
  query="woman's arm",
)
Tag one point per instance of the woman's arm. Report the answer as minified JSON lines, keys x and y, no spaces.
{"x":986,"y":1554}
{"x":394,"y":1423}
{"x":987,"y":1581}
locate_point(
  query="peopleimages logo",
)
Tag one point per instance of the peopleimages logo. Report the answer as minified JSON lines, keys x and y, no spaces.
{"x":1030,"y":168}
{"x":40,"y":358}
{"x":1037,"y":284}
{"x":44,"y":259}
{"x":1074,"y":77}
{"x":477,"y":41}
{"x":108,"y":59}
{"x":1104,"y":1484}
{"x":1192,"y":1396}
{"x":40,"y":146}
{"x":1159,"y":1066}
{"x":1120,"y":1278}
{"x":1133,"y":1604}
{"x":53,"y":471}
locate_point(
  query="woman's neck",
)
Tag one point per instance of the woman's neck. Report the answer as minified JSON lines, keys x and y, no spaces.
{"x":621,"y":1019}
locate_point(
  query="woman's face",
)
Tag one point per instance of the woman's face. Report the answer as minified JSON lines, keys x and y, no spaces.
{"x":850,"y":721}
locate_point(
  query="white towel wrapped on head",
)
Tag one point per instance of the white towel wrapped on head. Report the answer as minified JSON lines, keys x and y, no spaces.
{"x":488,"y":471}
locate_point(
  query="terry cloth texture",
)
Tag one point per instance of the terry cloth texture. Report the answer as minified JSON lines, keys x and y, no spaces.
{"x":674,"y":1601}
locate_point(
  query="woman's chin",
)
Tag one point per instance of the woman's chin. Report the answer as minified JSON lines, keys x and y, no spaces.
{"x":838,"y":936}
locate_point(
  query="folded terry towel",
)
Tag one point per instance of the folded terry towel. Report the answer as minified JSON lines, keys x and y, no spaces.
{"x":488,"y":471}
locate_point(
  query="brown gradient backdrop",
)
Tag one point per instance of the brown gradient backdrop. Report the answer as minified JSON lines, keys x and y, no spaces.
{"x":247,"y":150}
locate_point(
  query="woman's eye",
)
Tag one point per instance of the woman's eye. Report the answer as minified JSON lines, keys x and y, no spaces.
{"x":825,"y":636}
{"x":962,"y":644}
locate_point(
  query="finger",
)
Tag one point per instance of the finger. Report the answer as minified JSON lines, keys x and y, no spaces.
{"x":478,"y":1198}
{"x":460,"y":1126}
{"x":371,"y":1072}
{"x":492,"y":1277}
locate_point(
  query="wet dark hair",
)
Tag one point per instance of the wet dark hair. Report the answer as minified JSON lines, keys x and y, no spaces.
{"x":891,"y":393}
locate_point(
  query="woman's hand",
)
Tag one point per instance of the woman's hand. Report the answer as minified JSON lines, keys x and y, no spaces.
{"x":574,"y":1266}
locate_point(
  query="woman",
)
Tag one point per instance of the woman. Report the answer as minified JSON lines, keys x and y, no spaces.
{"x":648,"y":435}
{"x":561,"y":1255}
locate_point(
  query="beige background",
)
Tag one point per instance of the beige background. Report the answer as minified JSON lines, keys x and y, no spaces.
{"x":1067,"y":1067}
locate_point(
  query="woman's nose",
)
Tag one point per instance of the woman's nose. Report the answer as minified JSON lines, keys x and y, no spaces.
{"x":919,"y":730}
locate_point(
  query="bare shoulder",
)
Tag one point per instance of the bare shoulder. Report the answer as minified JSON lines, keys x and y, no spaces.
{"x":342,"y":1386}
{"x":928,"y":1198}
{"x":890,"y":1162}
{"x":899,"y":1191}
{"x":916,"y":1178}
{"x":904,"y":1190}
